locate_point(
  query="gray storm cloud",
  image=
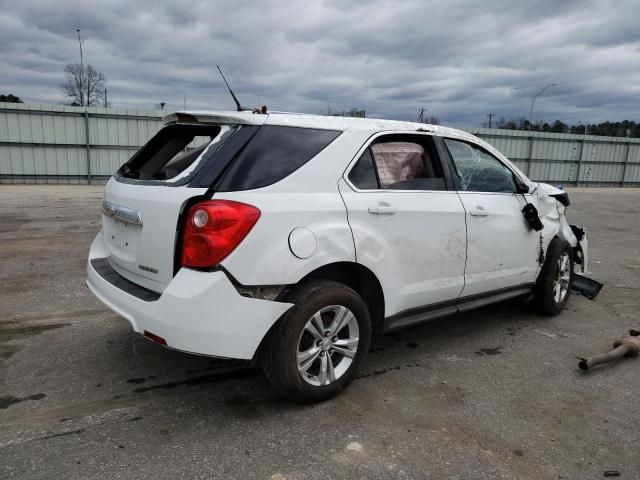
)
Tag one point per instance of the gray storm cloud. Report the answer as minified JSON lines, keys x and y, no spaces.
{"x":459,"y":60}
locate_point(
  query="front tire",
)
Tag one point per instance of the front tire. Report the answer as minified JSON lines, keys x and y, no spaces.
{"x":556,"y":277}
{"x":314,"y":349}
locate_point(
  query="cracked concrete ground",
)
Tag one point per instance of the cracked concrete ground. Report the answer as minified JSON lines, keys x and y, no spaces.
{"x":494,"y":393}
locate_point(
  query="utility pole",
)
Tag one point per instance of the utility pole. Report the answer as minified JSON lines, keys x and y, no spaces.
{"x":184,"y":101}
{"x":533,"y":99}
{"x":586,"y":128}
{"x":81,"y":71}
{"x":105,"y":98}
{"x":421,"y":116}
{"x":490,"y":116}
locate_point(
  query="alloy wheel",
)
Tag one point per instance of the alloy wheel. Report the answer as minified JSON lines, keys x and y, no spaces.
{"x":563,"y":276}
{"x":327,"y":345}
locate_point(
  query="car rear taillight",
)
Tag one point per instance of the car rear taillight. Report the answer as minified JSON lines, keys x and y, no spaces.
{"x":213,"y":229}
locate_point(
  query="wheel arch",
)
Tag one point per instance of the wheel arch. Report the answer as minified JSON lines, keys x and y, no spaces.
{"x":359,"y":278}
{"x":355,"y":276}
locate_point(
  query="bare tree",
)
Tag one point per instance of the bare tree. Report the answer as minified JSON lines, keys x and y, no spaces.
{"x":352,"y":112}
{"x":83,"y":86}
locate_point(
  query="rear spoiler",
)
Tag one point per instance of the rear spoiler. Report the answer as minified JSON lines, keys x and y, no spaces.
{"x":218,"y":118}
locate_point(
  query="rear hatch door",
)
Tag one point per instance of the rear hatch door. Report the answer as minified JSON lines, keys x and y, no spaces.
{"x":139,"y":228}
{"x":143,"y":202}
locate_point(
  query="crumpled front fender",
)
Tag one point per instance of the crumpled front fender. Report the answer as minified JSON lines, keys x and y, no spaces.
{"x":552,"y":214}
{"x":566,"y":233}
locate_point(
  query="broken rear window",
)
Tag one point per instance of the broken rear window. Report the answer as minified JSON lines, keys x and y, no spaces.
{"x":174,"y":152}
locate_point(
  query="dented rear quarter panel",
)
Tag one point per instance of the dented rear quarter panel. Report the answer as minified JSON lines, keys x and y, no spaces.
{"x":308,"y":199}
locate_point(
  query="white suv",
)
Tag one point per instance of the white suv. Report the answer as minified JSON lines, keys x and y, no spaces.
{"x":288,"y":239}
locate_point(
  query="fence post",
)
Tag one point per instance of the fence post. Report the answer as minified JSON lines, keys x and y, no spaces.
{"x":530,"y":155}
{"x":86,"y":132}
{"x":582,"y":142}
{"x":626,"y":161}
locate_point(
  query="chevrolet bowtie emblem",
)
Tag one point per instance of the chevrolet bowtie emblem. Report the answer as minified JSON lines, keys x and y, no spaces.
{"x":121,"y":214}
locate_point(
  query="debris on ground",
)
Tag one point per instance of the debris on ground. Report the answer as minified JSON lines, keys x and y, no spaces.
{"x":546,"y":334}
{"x":586,"y":286}
{"x":552,"y":335}
{"x":626,"y":347}
{"x":354,"y":447}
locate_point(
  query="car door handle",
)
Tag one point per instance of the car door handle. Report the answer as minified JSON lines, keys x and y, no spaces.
{"x":383,"y":210}
{"x":478,"y":212}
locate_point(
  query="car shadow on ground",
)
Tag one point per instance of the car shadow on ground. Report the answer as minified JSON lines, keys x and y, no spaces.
{"x":164,"y":371}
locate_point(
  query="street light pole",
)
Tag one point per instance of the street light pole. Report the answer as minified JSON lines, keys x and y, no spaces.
{"x":533,"y":99}
{"x":81,"y":71}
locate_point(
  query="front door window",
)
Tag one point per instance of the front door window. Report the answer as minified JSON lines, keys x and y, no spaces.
{"x":479,"y":171}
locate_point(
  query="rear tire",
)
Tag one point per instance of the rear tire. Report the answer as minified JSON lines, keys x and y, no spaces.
{"x":553,"y":286}
{"x":316,"y":346}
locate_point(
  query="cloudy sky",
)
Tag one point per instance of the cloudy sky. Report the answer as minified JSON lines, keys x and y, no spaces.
{"x":459,"y":60}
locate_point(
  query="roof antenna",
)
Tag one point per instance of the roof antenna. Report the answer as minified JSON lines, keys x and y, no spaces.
{"x":239,"y":107}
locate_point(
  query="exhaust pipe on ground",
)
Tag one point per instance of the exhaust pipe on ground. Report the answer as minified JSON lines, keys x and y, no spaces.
{"x":626,"y":347}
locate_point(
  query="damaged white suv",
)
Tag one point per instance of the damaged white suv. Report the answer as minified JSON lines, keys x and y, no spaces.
{"x":288,"y":239}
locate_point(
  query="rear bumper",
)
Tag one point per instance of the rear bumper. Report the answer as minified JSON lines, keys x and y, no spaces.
{"x":198,"y":312}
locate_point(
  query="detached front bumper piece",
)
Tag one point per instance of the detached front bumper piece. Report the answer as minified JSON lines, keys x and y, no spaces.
{"x":586,"y":286}
{"x":198,"y":312}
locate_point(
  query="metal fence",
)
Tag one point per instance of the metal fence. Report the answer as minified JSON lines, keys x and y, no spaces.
{"x":59,"y":144}
{"x":562,"y":158}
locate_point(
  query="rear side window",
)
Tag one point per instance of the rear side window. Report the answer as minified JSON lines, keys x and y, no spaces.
{"x":172,"y":151}
{"x":274,"y":153}
{"x":398,"y":163}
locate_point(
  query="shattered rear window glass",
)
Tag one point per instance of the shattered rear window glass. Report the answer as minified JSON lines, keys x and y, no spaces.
{"x":175,"y":151}
{"x":478,"y":171}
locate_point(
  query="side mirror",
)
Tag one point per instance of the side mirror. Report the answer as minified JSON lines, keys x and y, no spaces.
{"x":521,"y":187}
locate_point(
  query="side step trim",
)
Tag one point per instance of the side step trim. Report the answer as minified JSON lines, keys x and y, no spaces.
{"x":418,"y":315}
